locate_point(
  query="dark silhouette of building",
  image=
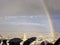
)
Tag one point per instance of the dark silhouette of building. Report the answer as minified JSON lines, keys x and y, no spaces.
{"x":15,"y":41}
{"x":29,"y":41}
{"x":46,"y":43}
{"x":0,"y":41}
{"x":4,"y":42}
{"x":57,"y":42}
{"x":42,"y":43}
{"x":50,"y":44}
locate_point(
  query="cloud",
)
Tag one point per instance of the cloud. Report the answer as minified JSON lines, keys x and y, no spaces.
{"x":20,"y":7}
{"x":24,"y":24}
{"x":53,"y":6}
{"x":27,"y":7}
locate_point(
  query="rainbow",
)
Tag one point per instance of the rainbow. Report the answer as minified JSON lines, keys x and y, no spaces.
{"x":49,"y":18}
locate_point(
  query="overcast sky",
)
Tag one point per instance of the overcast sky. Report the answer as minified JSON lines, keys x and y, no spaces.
{"x":28,"y":8}
{"x":24,"y":24}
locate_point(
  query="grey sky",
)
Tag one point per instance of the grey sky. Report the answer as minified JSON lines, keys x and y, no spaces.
{"x":28,"y":8}
{"x":53,"y":6}
{"x":20,"y":7}
{"x":24,"y":24}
